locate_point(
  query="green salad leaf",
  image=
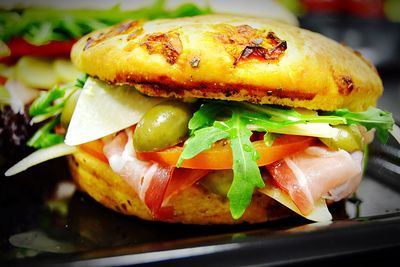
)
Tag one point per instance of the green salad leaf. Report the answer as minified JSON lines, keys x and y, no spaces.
{"x":44,"y":103}
{"x":235,"y":121}
{"x":49,"y":105}
{"x":200,"y":141}
{"x":372,"y":118}
{"x":44,"y":136}
{"x":246,"y":173}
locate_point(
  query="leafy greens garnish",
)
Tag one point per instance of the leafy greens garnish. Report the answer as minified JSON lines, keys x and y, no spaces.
{"x":41,"y":25}
{"x":44,"y":137}
{"x":373,"y":118}
{"x":234,"y":121}
{"x":245,"y":170}
{"x":50,"y":105}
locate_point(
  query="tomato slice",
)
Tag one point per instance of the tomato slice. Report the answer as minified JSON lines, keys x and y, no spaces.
{"x":19,"y":47}
{"x":95,"y":148}
{"x":219,"y":157}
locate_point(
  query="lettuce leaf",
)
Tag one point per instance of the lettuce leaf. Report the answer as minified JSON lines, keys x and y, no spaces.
{"x":49,"y":105}
{"x":44,"y":137}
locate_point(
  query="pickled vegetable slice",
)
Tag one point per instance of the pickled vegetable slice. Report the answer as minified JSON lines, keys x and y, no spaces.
{"x":65,"y":70}
{"x":36,"y":72}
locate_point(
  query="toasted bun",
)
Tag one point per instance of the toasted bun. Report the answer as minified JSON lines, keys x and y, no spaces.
{"x":231,"y":58}
{"x":194,"y":205}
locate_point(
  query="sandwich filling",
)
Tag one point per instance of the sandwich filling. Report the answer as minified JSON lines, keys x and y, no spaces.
{"x":299,"y":157}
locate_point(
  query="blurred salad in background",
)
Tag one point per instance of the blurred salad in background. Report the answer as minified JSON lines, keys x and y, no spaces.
{"x":34,"y":60}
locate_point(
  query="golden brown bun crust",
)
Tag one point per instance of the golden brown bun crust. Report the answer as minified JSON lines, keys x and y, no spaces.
{"x":194,"y":205}
{"x":231,"y":58}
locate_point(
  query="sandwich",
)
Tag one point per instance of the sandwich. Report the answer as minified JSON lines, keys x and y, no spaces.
{"x":216,"y":119}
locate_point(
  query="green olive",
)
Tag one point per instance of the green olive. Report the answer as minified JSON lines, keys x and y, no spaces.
{"x":349,"y":138}
{"x":69,"y":108}
{"x":164,"y":125}
{"x":218,"y":182}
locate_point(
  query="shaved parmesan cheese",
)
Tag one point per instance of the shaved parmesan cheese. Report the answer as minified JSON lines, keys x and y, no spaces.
{"x":320,"y":212}
{"x":309,"y":129}
{"x":103,"y":109}
{"x":40,"y":156}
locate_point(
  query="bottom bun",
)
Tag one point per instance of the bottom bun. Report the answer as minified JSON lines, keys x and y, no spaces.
{"x":194,"y":205}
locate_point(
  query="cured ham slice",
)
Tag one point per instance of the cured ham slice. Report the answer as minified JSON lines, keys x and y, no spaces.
{"x":141,"y":175}
{"x":317,"y":172}
{"x":154,"y":183}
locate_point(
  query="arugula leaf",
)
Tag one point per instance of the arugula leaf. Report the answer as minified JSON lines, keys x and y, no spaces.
{"x":290,"y":116}
{"x":44,"y":138}
{"x":48,"y":105}
{"x":44,"y":103}
{"x":200,"y":141}
{"x":212,"y":123}
{"x":204,"y":116}
{"x":246,"y":174}
{"x":372,"y":118}
{"x":80,"y":81}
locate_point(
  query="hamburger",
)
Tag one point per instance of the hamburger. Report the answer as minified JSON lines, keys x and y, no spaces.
{"x":217,"y":119}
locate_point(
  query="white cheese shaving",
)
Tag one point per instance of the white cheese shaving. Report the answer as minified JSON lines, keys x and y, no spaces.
{"x":323,"y":130}
{"x":320,"y":213}
{"x":40,"y":156}
{"x":103,"y":109}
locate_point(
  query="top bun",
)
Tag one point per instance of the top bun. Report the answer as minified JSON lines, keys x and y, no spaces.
{"x":231,"y":58}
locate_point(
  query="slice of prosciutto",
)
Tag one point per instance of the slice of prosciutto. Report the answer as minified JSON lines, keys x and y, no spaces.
{"x":317,"y":173}
{"x":154,"y":183}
